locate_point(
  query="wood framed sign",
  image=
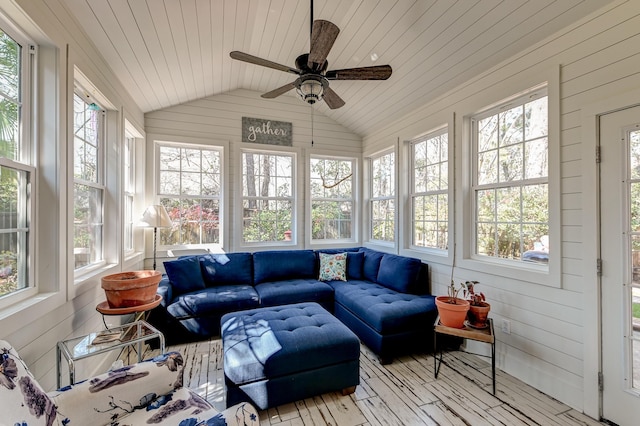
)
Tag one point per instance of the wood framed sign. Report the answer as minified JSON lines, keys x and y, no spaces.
{"x":269,"y":132}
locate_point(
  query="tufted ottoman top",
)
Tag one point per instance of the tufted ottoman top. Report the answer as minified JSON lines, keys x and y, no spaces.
{"x":276,"y":341}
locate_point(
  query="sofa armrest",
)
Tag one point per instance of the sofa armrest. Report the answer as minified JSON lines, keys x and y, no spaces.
{"x":109,"y":396}
{"x":165,"y":289}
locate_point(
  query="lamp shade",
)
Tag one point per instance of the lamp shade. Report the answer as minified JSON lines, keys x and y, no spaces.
{"x":156,"y":216}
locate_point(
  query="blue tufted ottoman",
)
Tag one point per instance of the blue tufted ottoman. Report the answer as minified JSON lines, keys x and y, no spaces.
{"x":281,"y":354}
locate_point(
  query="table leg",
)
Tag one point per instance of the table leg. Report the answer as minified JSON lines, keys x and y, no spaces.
{"x":436,"y":363}
{"x":58,"y":372}
{"x":493,"y":365}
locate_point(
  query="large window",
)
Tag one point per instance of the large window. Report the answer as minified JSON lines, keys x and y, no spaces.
{"x":382,"y":202}
{"x":510,"y":180}
{"x":88,"y":174}
{"x":16,"y":239}
{"x":129,"y":190}
{"x":267,"y":197}
{"x":189,"y":187}
{"x":332,"y":198}
{"x":429,"y":191}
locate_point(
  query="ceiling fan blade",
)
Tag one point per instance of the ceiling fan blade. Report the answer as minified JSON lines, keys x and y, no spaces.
{"x":245,"y":57}
{"x":332,"y":99}
{"x":323,"y":35}
{"x":279,"y":91}
{"x":378,"y":72}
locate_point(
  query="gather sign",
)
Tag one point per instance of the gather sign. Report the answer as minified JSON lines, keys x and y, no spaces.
{"x":270,"y":132}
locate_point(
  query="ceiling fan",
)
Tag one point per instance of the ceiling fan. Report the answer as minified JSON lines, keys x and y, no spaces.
{"x":313,"y":79}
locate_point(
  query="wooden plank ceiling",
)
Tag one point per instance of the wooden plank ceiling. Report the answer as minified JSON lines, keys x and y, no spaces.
{"x":168,"y":52}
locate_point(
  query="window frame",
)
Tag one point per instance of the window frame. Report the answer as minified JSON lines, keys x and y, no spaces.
{"x":393,"y":197}
{"x":24,"y":161}
{"x":353,"y":199}
{"x":158,"y":144}
{"x":465,"y":240}
{"x":100,"y":184}
{"x":413,"y":194}
{"x":293,"y":198}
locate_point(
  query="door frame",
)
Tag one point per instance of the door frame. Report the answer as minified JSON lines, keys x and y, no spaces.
{"x":590,"y":141}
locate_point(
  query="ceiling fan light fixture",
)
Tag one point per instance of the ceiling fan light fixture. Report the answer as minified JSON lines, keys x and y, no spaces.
{"x":310,"y":88}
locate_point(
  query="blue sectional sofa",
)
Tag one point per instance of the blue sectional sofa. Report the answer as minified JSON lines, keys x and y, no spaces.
{"x":385,"y":299}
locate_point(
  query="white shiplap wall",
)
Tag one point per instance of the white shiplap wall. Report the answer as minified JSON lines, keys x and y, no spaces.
{"x":551,"y":340}
{"x":67,"y":307}
{"x":217,"y":120}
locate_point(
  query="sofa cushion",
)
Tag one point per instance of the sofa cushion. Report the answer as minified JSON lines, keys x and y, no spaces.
{"x":385,"y":310}
{"x":185,"y":274}
{"x":237,"y":270}
{"x":398,"y":272}
{"x":295,"y":290}
{"x":355,"y":261}
{"x":277,"y":265}
{"x":333,"y":267}
{"x":371,"y":264}
{"x":223,"y":298}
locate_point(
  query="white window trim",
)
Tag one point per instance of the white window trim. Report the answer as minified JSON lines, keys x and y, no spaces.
{"x":386,"y":245}
{"x":521,"y":271}
{"x":88,"y":270}
{"x":138,"y":180}
{"x":409,"y":217}
{"x":335,"y":243}
{"x":296,"y":223}
{"x":173,"y":142}
{"x":27,"y":146}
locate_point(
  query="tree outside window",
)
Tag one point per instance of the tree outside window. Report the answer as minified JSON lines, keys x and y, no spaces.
{"x":511,"y":178}
{"x":382,"y":201}
{"x":88,"y":123}
{"x":267,"y":197}
{"x":332,"y":200}
{"x":429,"y":191}
{"x":189,"y":188}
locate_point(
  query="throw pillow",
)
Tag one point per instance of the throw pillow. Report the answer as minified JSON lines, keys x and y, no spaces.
{"x":355,"y":260}
{"x":185,"y":275}
{"x":333,"y":267}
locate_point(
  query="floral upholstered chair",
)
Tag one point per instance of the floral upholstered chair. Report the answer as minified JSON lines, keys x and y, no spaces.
{"x":146,"y":393}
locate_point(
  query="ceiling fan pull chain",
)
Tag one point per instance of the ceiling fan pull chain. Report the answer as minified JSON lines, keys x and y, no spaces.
{"x":311,"y":123}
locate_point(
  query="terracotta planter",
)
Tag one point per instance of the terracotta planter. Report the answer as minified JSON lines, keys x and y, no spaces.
{"x":477,"y":315}
{"x":452,"y":315}
{"x":127,"y":289}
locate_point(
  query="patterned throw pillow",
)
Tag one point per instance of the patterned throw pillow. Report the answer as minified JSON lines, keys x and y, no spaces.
{"x":333,"y":267}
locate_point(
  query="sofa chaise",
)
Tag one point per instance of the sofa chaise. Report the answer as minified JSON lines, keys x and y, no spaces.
{"x":383,"y":298}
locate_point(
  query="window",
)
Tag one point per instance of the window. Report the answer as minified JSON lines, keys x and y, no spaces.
{"x":189,"y":187}
{"x":267,"y":197}
{"x":510,"y":180}
{"x":129,"y":189}
{"x":16,"y":172}
{"x":383,"y":197}
{"x":332,"y":199}
{"x":88,"y":174}
{"x":429,"y":191}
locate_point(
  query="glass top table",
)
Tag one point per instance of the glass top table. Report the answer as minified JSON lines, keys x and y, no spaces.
{"x":121,"y":337}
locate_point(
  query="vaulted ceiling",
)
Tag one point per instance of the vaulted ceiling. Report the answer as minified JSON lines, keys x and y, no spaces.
{"x":168,"y":52}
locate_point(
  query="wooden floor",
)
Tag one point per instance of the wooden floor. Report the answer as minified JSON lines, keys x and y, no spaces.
{"x":401,"y":393}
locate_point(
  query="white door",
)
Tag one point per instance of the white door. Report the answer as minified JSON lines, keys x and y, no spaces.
{"x":620,"y":253}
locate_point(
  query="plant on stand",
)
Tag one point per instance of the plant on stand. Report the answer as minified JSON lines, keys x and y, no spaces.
{"x":451,"y":308}
{"x":478,"y":306}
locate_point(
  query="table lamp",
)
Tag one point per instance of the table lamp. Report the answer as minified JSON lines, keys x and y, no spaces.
{"x":155,"y":216}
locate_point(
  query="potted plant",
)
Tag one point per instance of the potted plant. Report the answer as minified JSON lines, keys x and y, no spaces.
{"x":451,"y":308}
{"x":478,"y":306}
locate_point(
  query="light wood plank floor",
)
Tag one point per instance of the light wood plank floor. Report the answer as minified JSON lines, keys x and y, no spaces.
{"x":401,"y":393}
